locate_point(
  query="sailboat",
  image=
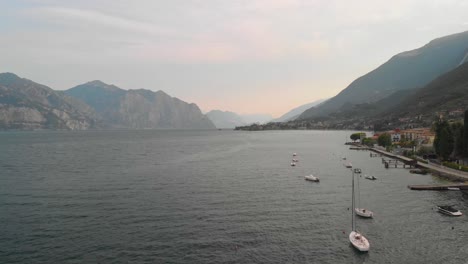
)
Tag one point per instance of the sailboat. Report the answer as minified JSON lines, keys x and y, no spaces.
{"x":361,"y":211}
{"x":358,"y":240}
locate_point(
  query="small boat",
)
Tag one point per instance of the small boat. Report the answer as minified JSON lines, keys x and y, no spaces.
{"x":348,"y":165}
{"x":418,"y":171}
{"x":294,"y":154}
{"x":293,"y":164}
{"x":358,"y":240}
{"x":363,"y":212}
{"x":373,"y":178}
{"x":448,"y":210}
{"x":311,"y":178}
{"x":453,"y":188}
{"x":295,"y":160}
{"x":344,"y":158}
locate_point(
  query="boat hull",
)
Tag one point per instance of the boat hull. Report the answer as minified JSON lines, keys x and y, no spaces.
{"x":311,"y":178}
{"x":363,"y":212}
{"x":446,"y":212}
{"x":359,"y":241}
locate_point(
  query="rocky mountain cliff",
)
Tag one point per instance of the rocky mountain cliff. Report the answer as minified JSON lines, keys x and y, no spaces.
{"x":139,"y":109}
{"x":407,"y":70}
{"x":25,"y":104}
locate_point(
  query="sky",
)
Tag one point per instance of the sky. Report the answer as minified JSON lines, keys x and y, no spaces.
{"x":245,"y":56}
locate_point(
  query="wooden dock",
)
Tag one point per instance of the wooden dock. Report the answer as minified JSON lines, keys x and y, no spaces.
{"x":443,"y":187}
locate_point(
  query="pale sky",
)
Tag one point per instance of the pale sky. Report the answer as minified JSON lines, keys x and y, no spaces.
{"x":246,"y":56}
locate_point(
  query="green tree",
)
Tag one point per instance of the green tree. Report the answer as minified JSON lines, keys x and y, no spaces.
{"x":445,"y":143}
{"x":457,"y":131}
{"x":384,"y":140}
{"x":368,"y":142}
{"x":356,"y":136}
{"x":465,"y":135}
{"x":444,"y":140}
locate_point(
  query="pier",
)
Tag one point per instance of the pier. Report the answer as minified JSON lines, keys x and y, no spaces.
{"x":445,"y":172}
{"x":443,"y":187}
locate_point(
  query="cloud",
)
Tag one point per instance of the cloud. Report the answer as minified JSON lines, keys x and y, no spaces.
{"x":232,"y":39}
{"x":76,"y":16}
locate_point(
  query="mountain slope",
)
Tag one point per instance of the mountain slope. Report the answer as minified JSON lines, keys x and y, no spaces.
{"x":407,"y":70}
{"x":296,"y":112}
{"x":225,"y":119}
{"x":25,"y":104}
{"x":448,"y":92}
{"x":139,"y":109}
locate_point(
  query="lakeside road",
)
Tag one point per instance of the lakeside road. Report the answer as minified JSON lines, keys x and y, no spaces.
{"x":461,"y":175}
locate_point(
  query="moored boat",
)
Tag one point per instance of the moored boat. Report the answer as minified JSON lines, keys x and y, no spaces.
{"x":358,"y":240}
{"x":449,"y":210}
{"x":311,"y":178}
{"x":364,"y":212}
{"x":373,"y":178}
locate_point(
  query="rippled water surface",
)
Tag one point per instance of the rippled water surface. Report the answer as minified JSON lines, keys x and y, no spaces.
{"x":211,"y":197}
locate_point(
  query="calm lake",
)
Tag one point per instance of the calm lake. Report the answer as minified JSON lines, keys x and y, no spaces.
{"x":212,"y":197}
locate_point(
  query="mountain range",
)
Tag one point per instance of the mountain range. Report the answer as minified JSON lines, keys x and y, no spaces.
{"x":139,"y":109}
{"x":25,"y":104}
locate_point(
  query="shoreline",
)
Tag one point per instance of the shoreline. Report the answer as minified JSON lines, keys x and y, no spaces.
{"x":439,"y":170}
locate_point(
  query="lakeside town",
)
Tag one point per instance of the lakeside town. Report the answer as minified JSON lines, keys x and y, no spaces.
{"x":443,"y":142}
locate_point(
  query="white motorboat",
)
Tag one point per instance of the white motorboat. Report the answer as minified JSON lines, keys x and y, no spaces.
{"x":373,"y":178}
{"x":295,"y":160}
{"x":293,"y":164}
{"x":348,"y":165}
{"x":358,"y":240}
{"x":453,"y":188}
{"x":448,"y":210}
{"x":364,"y":212}
{"x":311,"y":178}
{"x":294,"y":154}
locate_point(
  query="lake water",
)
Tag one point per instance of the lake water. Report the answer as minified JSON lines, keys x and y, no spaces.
{"x":211,"y":197}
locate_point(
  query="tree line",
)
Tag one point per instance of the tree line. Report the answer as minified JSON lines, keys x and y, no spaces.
{"x":451,"y":139}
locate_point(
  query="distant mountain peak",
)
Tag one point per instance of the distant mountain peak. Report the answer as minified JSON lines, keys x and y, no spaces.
{"x":102,"y":85}
{"x":97,"y":83}
{"x":8,"y":77}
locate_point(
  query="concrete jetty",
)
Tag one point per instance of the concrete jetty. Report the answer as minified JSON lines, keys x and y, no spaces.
{"x":442,"y":171}
{"x":439,"y":187}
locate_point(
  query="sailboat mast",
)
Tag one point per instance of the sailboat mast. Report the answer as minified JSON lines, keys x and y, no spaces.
{"x":353,"y":226}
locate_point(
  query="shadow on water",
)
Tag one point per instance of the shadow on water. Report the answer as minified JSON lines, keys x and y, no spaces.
{"x":359,"y":256}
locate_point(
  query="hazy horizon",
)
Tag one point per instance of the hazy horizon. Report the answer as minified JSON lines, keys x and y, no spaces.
{"x":248,"y":57}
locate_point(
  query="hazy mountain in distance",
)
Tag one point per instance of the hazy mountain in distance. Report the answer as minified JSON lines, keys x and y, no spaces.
{"x":407,"y":70}
{"x":294,"y":113}
{"x":25,"y":104}
{"x":139,"y":109}
{"x":225,"y":119}
{"x":257,"y":118}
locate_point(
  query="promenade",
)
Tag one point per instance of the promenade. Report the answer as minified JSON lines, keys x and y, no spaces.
{"x":458,"y":175}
